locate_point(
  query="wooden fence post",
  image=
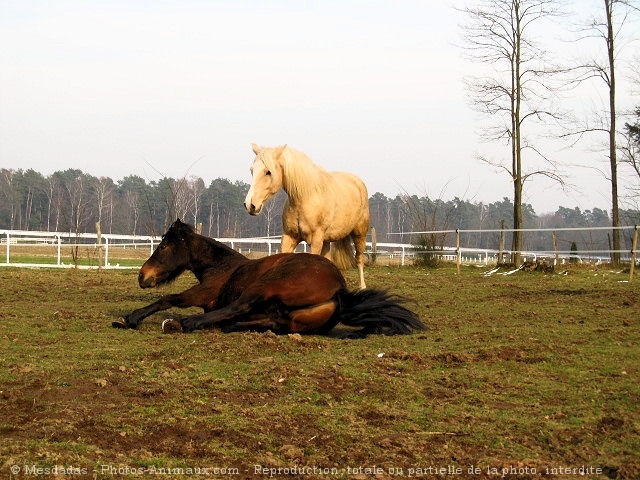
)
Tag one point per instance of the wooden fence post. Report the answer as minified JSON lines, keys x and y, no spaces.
{"x":99,"y":244}
{"x":374,"y":246}
{"x":555,"y":246}
{"x":634,"y":249}
{"x":501,"y":246}
{"x":458,"y":253}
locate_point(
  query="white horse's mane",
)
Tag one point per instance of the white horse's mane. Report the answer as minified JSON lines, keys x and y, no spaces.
{"x":301,"y":176}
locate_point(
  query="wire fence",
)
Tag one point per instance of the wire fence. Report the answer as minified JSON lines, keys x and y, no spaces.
{"x":432,"y":248}
{"x":585,"y":254}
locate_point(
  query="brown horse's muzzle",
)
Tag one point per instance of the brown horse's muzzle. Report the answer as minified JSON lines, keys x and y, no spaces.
{"x":146,"y":279}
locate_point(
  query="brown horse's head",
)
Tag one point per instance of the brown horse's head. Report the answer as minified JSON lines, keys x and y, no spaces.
{"x":170,"y":258}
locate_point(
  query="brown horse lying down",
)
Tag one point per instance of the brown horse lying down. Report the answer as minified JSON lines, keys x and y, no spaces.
{"x":285,"y":293}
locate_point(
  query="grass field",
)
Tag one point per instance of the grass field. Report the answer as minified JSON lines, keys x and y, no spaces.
{"x":518,"y":376}
{"x":85,"y":255}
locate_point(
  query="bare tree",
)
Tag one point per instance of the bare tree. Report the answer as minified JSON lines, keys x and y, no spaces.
{"x":77,"y":190}
{"x":54,"y":202}
{"x":104,"y":197}
{"x":182,"y":197}
{"x":7,"y":187}
{"x":428,"y":216}
{"x":631,"y":151}
{"x":517,"y":90}
{"x":606,"y":28}
{"x":197,"y":190}
{"x":132,"y":200}
{"x":631,"y":146}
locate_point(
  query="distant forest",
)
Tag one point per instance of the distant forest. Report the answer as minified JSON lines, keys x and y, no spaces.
{"x":73,"y":201}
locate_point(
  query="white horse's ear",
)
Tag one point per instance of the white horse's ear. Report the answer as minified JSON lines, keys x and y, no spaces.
{"x":278,"y":150}
{"x":256,"y":148}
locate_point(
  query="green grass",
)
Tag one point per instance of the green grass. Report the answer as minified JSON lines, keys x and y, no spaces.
{"x":68,"y":260}
{"x":528,"y":371}
{"x":83,"y":256}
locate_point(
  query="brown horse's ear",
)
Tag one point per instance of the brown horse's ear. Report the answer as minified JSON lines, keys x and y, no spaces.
{"x":182,"y":228}
{"x":256,"y":148}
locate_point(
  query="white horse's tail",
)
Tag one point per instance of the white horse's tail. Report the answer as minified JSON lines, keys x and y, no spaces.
{"x":343,"y":254}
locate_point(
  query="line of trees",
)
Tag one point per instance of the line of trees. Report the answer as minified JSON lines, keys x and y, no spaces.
{"x":73,"y":201}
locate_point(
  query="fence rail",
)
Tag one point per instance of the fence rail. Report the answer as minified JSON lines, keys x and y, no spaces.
{"x":100,"y":248}
{"x":52,"y":244}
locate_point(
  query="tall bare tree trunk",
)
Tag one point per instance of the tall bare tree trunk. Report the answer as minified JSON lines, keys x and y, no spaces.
{"x":516,"y":145}
{"x":613,"y":161}
{"x":499,"y":32}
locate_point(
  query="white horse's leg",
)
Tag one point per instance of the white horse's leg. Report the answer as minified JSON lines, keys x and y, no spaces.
{"x":326,"y":250}
{"x":361,"y":272}
{"x":318,"y":246}
{"x":288,"y":244}
{"x":360,"y":244}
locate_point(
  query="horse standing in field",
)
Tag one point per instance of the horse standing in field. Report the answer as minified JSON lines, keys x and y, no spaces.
{"x":285,"y":293}
{"x":321,"y":207}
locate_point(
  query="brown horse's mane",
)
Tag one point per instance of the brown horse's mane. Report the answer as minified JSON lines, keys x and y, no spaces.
{"x":177,"y":231}
{"x":183,"y":231}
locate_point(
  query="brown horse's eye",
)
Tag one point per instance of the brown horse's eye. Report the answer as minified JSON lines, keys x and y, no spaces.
{"x":268,"y":172}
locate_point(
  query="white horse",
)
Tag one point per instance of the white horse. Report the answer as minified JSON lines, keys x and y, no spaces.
{"x":322,"y":207}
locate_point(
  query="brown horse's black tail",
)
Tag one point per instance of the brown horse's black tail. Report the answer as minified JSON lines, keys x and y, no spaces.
{"x":376,"y":311}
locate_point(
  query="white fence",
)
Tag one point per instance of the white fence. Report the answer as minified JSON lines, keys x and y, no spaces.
{"x":396,"y":253}
{"x":57,"y":241}
{"x":15,"y":238}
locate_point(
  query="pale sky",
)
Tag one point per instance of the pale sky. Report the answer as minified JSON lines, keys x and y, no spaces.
{"x":178,"y":88}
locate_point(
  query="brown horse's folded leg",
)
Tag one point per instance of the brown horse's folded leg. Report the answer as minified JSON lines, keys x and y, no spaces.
{"x":259,"y":325}
{"x":313,"y":318}
{"x":188,"y":298}
{"x":223,"y":316}
{"x":134,"y":318}
{"x":120,"y":323}
{"x":171,"y":326}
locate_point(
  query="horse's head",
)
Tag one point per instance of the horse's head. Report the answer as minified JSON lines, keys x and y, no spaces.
{"x":169,"y":259}
{"x":266,"y":173}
